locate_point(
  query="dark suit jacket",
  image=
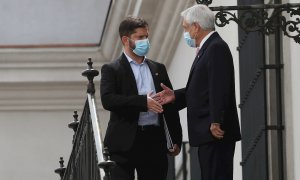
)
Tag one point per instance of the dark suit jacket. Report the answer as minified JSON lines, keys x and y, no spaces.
{"x":210,"y":93}
{"x":119,"y":95}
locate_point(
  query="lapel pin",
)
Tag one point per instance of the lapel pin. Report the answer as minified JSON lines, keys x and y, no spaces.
{"x":156,"y":74}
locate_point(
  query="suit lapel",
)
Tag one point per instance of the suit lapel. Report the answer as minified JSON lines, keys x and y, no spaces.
{"x":199,"y":55}
{"x":197,"y":58}
{"x":155,"y":74}
{"x":128,"y":73}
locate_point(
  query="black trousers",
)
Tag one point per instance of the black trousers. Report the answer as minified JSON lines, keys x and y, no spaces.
{"x":148,"y":157}
{"x":216,"y":160}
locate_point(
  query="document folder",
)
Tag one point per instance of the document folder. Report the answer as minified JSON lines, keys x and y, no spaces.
{"x":170,"y":144}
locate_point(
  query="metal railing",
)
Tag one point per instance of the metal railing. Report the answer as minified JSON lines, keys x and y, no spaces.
{"x":88,"y":153}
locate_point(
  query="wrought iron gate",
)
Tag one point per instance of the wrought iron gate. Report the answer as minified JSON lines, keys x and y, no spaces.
{"x":260,"y":80}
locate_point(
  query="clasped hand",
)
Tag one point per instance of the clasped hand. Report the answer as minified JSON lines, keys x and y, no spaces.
{"x":165,"y":96}
{"x":153,"y":105}
{"x":155,"y":101}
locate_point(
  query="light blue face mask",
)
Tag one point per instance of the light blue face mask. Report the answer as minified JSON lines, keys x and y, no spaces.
{"x":187,"y":37}
{"x":141,"y":47}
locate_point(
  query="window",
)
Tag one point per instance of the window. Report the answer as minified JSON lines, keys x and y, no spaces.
{"x":52,"y":23}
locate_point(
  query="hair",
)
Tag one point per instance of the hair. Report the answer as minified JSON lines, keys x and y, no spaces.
{"x":200,"y":14}
{"x":130,"y":24}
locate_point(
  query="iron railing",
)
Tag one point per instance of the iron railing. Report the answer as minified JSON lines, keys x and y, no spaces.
{"x":83,"y":162}
{"x":88,"y":154}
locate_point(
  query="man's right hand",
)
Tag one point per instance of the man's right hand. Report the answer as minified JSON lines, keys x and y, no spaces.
{"x":153,"y":105}
{"x":165,"y":96}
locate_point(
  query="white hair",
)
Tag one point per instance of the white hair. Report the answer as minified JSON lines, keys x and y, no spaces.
{"x":200,"y":14}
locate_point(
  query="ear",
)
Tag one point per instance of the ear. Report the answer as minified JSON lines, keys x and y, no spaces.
{"x":124,"y":40}
{"x":197,"y":26}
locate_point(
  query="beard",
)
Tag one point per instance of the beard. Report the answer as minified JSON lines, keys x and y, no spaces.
{"x":131,"y":44}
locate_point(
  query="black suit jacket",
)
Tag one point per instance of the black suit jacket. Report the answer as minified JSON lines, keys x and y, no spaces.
{"x":119,"y":95}
{"x":210,"y":93}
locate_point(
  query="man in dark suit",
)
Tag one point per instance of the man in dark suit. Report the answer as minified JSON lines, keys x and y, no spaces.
{"x":135,"y":136}
{"x":209,"y":96}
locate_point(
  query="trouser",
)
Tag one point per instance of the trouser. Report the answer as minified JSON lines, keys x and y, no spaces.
{"x":216,"y":160}
{"x":148,"y":157}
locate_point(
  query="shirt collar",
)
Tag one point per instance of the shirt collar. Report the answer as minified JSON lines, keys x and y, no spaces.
{"x":205,"y":38}
{"x":133,"y":61}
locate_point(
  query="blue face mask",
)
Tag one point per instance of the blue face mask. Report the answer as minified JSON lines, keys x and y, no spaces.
{"x":141,"y":47}
{"x":187,"y":37}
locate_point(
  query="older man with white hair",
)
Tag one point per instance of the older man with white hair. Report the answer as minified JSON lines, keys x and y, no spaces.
{"x":209,"y":96}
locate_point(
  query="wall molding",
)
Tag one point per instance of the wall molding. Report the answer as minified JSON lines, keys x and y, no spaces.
{"x":42,"y":96}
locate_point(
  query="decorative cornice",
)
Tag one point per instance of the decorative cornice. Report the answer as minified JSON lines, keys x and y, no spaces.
{"x":44,"y":96}
{"x":46,"y":59}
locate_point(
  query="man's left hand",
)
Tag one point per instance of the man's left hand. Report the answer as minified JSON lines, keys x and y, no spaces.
{"x":216,"y":131}
{"x":175,"y":151}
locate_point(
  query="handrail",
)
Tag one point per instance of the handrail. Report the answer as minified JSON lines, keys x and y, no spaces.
{"x":96,"y":129}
